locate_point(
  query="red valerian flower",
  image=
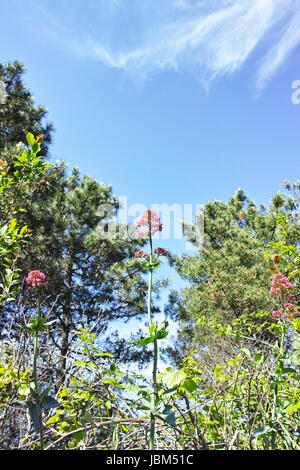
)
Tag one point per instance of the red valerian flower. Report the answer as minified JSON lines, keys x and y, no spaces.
{"x":161,"y":251}
{"x":35,"y":279}
{"x":148,"y":223}
{"x":140,"y":254}
{"x":280,"y":283}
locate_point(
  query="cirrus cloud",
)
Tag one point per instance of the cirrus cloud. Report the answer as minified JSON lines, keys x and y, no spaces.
{"x":204,"y":37}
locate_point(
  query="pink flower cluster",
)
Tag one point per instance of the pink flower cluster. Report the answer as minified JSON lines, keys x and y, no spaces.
{"x":161,"y":251}
{"x":148,"y":223}
{"x":140,"y":254}
{"x":281,"y":285}
{"x":35,"y":279}
{"x":289,"y":311}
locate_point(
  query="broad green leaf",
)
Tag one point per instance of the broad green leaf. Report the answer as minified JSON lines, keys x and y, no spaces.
{"x":35,"y":414}
{"x":30,"y":139}
{"x":34,"y":394}
{"x":148,"y":265}
{"x":258,"y":357}
{"x":261,"y":431}
{"x":144,"y":403}
{"x":144,"y":341}
{"x":23,"y":230}
{"x":293,"y":273}
{"x":246,"y":351}
{"x":172,"y":379}
{"x":170,"y":391}
{"x":80,"y":363}
{"x":152,"y":328}
{"x":52,"y":419}
{"x":92,"y":364}
{"x":161,"y":334}
{"x":50,"y":402}
{"x":166,"y":414}
{"x":189,"y":385}
{"x":35,"y":147}
{"x":45,"y":392}
{"x":23,"y":389}
{"x":289,"y":370}
{"x":292,"y":407}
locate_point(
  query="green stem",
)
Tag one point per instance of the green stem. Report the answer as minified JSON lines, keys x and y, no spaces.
{"x":279,"y":358}
{"x":35,"y":378}
{"x":154,"y":373}
{"x":35,"y":352}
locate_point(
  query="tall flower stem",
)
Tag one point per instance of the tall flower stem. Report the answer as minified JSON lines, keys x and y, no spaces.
{"x":148,"y":224}
{"x":279,"y":358}
{"x":35,"y":378}
{"x":35,"y":352}
{"x":154,"y":372}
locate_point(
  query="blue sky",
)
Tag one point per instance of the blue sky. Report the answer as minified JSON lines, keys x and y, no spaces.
{"x":171,"y":101}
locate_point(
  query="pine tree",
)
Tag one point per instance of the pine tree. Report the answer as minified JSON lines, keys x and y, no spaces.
{"x":90,"y":280}
{"x":18,"y":113}
{"x":229,"y":277}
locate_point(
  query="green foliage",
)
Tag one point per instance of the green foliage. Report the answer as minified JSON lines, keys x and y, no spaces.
{"x":19,"y":115}
{"x":37,"y":325}
{"x":13,"y":190}
{"x":236,"y":382}
{"x":90,"y":279}
{"x":229,"y":276}
{"x":156,"y":332}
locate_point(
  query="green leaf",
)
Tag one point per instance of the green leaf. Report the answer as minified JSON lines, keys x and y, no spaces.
{"x":144,"y":341}
{"x":170,"y":391}
{"x":105,"y":354}
{"x":24,"y":155}
{"x":78,"y":437}
{"x":172,"y":379}
{"x":35,"y":147}
{"x":30,"y":139}
{"x":45,"y":392}
{"x":37,"y":324}
{"x":50,"y":402}
{"x":292,"y":407}
{"x":23,"y":230}
{"x":288,"y":370}
{"x":52,"y":419}
{"x":35,"y":412}
{"x":246,"y":351}
{"x":261,"y":431}
{"x":258,"y":357}
{"x":23,"y":389}
{"x":92,"y":364}
{"x":189,"y":385}
{"x":162,"y":333}
{"x":148,"y":265}
{"x":80,"y":363}
{"x":34,"y":394}
{"x":293,"y":273}
{"x":152,"y":328}
{"x":146,"y":404}
{"x":166,"y":414}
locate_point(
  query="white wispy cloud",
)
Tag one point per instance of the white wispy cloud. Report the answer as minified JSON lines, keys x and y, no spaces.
{"x":205,"y":37}
{"x":281,"y":50}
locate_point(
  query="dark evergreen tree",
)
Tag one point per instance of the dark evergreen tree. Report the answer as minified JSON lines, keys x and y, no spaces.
{"x":90,"y":280}
{"x":18,"y":113}
{"x":229,"y":277}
